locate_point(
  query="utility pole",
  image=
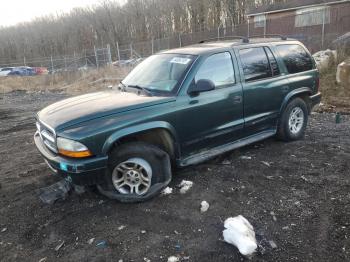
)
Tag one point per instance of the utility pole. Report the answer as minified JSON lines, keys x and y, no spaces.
{"x":323,"y":25}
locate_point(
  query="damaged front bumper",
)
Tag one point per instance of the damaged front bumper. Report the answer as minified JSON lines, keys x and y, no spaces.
{"x":89,"y":171}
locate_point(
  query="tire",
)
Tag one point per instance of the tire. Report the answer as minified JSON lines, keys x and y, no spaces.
{"x":136,"y":172}
{"x":293,"y":121}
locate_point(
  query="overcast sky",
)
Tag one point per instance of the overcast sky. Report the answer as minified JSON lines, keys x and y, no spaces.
{"x":15,"y":11}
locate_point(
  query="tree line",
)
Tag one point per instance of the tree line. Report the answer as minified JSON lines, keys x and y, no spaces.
{"x":112,"y":23}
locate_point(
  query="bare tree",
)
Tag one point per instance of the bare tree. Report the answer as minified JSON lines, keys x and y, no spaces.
{"x":109,"y":23}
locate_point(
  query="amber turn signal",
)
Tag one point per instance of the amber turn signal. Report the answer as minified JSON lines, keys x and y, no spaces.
{"x":80,"y":154}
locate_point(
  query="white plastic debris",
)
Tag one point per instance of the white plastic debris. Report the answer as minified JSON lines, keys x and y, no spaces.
{"x":240,"y":233}
{"x":58,"y":247}
{"x":185,"y":186}
{"x":273,"y":216}
{"x":204,"y":206}
{"x":173,"y":259}
{"x":91,"y":240}
{"x":273,"y":244}
{"x":266,"y":163}
{"x":167,"y":191}
{"x":121,"y":227}
{"x":245,"y":157}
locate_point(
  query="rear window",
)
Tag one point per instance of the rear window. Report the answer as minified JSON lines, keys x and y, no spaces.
{"x":295,"y":58}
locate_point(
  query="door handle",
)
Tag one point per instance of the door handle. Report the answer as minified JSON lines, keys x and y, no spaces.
{"x":237,"y":99}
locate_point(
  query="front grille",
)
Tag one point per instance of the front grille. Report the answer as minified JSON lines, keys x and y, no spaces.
{"x":47,"y":135}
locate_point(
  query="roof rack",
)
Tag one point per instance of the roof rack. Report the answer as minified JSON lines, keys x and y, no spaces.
{"x":270,"y":35}
{"x":243,"y":38}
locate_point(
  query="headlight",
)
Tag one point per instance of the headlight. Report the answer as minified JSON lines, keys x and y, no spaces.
{"x":72,"y":148}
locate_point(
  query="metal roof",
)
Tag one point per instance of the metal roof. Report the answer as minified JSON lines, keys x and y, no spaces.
{"x":290,"y":6}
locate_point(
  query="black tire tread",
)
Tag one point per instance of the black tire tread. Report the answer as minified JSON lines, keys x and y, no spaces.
{"x":282,"y":129}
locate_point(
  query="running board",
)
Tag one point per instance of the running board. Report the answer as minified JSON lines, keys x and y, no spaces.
{"x":208,"y":154}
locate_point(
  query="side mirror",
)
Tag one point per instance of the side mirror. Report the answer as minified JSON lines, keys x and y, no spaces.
{"x":203,"y":85}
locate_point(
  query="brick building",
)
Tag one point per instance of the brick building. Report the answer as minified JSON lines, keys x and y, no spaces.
{"x":315,"y":22}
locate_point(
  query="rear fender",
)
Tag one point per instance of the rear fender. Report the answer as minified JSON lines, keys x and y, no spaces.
{"x":296,"y":92}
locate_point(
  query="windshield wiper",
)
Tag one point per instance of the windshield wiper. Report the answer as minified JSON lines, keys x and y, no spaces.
{"x":144,"y":89}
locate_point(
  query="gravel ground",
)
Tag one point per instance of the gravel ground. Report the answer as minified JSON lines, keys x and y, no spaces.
{"x":296,"y":194}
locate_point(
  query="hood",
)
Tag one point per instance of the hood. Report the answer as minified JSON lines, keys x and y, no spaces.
{"x":83,"y":108}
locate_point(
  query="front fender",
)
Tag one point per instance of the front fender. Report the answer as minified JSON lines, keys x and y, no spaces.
{"x":295,"y":92}
{"x":136,"y":129}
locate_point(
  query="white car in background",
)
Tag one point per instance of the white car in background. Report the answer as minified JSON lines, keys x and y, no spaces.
{"x":5,"y":71}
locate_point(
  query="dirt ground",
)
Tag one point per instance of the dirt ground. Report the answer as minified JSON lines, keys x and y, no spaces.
{"x":300,"y":200}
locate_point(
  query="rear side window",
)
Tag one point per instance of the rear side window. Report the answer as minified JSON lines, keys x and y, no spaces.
{"x":295,"y":58}
{"x":255,"y":63}
{"x":219,"y":69}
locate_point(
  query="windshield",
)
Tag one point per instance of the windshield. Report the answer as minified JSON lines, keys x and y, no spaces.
{"x":160,"y":73}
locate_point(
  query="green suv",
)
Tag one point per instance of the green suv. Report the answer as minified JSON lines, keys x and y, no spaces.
{"x":178,"y":108}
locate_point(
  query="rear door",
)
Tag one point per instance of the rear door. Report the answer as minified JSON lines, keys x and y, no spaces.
{"x":264,"y":88}
{"x":216,"y":117}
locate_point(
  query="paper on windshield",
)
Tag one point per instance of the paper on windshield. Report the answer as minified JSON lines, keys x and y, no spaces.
{"x":180,"y":60}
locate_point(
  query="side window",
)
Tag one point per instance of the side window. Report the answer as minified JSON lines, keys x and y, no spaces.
{"x":273,"y":63}
{"x":295,"y":58}
{"x":219,"y":69}
{"x":255,"y":63}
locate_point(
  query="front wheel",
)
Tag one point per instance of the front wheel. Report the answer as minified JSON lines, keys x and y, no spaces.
{"x":293,"y":122}
{"x":136,"y":172}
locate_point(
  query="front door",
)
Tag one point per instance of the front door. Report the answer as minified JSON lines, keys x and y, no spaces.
{"x":215,"y":117}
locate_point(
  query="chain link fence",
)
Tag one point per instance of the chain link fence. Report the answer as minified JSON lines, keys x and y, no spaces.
{"x":98,"y":57}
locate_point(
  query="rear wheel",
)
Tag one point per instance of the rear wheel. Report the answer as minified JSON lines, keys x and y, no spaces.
{"x":293,"y":122}
{"x":136,"y":172}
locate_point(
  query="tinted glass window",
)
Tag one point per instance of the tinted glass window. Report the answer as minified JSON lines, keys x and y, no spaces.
{"x":273,"y":62}
{"x":217,"y":68}
{"x":295,"y":58}
{"x":255,"y":63}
